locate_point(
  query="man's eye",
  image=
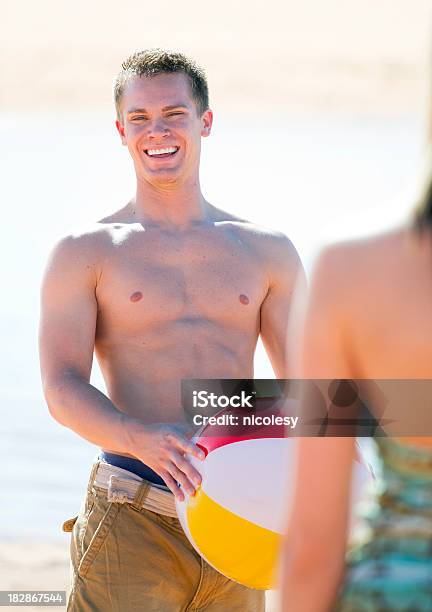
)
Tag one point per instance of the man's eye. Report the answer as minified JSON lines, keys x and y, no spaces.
{"x":174,"y":114}
{"x":139,"y":117}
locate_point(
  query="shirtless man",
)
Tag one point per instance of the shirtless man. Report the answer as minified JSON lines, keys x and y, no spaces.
{"x":167,"y":288}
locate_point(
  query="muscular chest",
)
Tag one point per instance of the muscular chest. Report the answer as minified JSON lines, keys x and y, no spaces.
{"x":156,"y":278}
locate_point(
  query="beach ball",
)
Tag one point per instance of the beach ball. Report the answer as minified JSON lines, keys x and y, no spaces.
{"x":238,"y":514}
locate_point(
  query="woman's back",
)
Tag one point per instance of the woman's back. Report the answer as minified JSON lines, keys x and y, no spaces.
{"x":368,"y":315}
{"x":390,"y":305}
{"x":388,"y":335}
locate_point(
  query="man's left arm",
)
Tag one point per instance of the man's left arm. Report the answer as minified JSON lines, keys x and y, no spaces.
{"x":285,"y":273}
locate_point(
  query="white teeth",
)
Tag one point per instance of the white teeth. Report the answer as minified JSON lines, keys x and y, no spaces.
{"x":161,"y":151}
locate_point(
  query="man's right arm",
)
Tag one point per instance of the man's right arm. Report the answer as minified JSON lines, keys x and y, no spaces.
{"x":66,"y":340}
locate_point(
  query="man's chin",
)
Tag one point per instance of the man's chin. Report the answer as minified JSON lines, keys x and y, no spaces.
{"x":166,"y":176}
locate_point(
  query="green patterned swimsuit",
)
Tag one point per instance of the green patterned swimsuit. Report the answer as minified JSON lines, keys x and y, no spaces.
{"x":390,"y":561}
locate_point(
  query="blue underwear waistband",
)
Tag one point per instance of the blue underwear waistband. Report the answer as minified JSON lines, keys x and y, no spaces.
{"x":132,"y":465}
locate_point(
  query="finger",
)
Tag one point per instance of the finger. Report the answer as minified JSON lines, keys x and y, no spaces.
{"x":169,"y":480}
{"x":181,"y":478}
{"x":172,"y":485}
{"x":187,"y":468}
{"x":187,"y":447}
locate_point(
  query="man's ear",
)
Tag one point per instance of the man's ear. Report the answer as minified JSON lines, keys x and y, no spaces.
{"x":207,"y":122}
{"x":120,"y":130}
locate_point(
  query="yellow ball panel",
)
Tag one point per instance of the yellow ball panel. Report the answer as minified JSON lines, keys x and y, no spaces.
{"x":239,"y":549}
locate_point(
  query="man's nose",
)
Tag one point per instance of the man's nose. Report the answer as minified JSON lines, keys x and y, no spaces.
{"x":157,"y":128}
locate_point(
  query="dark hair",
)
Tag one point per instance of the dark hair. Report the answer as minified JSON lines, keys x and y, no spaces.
{"x":150,"y":62}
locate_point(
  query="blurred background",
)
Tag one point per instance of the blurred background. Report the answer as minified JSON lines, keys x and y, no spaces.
{"x":320,"y":122}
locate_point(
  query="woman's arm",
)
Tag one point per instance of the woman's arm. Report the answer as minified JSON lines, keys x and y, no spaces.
{"x":314,"y":547}
{"x":313,"y":551}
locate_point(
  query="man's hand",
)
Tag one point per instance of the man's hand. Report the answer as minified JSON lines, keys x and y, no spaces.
{"x":164,"y":447}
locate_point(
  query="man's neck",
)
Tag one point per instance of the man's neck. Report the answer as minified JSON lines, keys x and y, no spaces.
{"x":172,"y":206}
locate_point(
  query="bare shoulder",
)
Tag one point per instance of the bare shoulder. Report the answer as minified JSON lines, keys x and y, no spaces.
{"x":355,"y":259}
{"x":84,"y":241}
{"x":94,"y":238}
{"x":349,"y":273}
{"x":82,"y":251}
{"x":270,"y":245}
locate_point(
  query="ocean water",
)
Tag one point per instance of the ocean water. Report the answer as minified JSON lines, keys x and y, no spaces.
{"x":316,"y":180}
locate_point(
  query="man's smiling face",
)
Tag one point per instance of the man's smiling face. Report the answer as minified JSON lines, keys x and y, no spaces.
{"x":162,"y":128}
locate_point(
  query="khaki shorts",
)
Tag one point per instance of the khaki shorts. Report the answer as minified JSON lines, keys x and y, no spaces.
{"x":126,"y":558}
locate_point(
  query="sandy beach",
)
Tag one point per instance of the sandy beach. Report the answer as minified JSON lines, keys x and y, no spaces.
{"x":34,"y":565}
{"x":329,"y":59}
{"x":354,"y":58}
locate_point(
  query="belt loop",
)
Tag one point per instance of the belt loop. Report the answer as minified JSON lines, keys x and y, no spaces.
{"x":141,"y":494}
{"x":92,"y":476}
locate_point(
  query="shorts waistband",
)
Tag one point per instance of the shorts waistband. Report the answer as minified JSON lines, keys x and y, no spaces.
{"x":125,"y":487}
{"x":132,"y":465}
